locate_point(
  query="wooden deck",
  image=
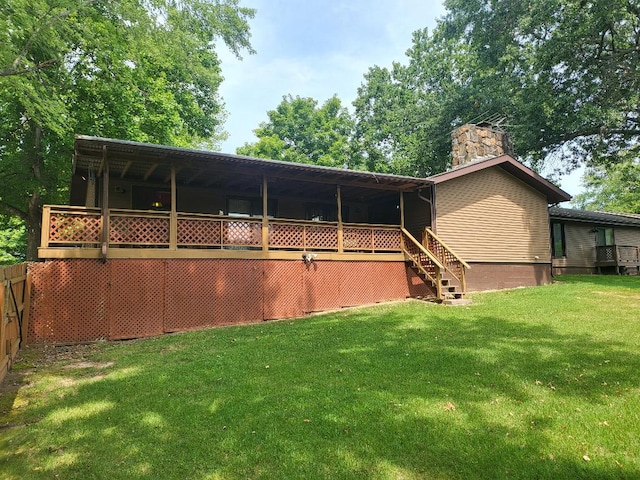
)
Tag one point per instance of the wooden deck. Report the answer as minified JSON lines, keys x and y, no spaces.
{"x":90,"y":233}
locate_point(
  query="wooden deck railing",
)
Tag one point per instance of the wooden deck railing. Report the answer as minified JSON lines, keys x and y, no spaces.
{"x":424,"y":261}
{"x":618,"y":255}
{"x":451,"y":261}
{"x":80,"y":227}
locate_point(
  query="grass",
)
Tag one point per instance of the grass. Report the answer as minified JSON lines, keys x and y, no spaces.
{"x":529,"y":383}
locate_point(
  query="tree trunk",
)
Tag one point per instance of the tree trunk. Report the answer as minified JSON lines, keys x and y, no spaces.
{"x":34,"y":224}
{"x":34,"y":215}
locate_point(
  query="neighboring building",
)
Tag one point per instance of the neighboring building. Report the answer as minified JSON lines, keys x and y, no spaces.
{"x":594,"y":242}
{"x":161,"y":239}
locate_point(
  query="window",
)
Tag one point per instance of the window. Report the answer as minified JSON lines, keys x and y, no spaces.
{"x":321,"y":212}
{"x":250,"y":207}
{"x":604,"y":236}
{"x":558,"y":242}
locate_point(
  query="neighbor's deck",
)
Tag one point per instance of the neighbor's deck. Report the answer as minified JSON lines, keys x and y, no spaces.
{"x":619,"y":256}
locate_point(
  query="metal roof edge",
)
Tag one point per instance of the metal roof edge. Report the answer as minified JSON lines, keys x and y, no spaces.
{"x":247,"y":159}
{"x":589,"y":216}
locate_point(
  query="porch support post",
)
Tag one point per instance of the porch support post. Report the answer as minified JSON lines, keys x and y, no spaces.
{"x":340,"y":232}
{"x":90,"y":197}
{"x":105,"y":204}
{"x":265,"y":218}
{"x":402,"y":209}
{"x":46,"y":225}
{"x":173,"y":215}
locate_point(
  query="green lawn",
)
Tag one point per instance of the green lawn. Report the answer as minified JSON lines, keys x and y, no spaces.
{"x":529,"y":383}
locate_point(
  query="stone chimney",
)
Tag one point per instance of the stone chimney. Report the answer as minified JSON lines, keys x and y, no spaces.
{"x":479,"y":141}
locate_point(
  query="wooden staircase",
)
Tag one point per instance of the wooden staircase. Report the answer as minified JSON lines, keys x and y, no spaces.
{"x":436,"y":264}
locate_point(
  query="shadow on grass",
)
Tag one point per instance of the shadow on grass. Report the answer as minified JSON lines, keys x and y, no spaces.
{"x":407,"y":393}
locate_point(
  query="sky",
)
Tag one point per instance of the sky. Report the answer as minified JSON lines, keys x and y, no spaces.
{"x":316,"y":48}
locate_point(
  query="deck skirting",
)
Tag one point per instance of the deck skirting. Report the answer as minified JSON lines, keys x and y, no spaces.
{"x":83,"y":300}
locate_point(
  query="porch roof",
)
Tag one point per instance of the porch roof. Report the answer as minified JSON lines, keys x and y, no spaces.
{"x":149,"y":162}
{"x":515,"y":168}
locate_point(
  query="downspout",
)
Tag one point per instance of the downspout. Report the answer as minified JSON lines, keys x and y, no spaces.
{"x":105,"y":205}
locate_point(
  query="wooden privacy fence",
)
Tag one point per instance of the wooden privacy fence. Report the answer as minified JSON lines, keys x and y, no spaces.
{"x":14,"y":308}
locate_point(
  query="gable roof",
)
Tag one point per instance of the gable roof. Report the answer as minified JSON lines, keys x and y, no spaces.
{"x":601,"y":218}
{"x":153,"y":162}
{"x":513,"y":167}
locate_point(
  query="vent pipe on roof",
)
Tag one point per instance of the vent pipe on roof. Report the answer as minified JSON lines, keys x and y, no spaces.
{"x":472,"y":142}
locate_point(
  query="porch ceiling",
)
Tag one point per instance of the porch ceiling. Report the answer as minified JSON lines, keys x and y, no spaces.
{"x":199,"y":168}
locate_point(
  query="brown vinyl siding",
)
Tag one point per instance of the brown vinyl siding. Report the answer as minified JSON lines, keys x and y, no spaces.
{"x":627,"y":236}
{"x":581,"y":246}
{"x":417,"y":214}
{"x":491,"y":216}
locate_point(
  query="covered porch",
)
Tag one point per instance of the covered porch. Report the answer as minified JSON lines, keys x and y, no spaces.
{"x":133,"y":200}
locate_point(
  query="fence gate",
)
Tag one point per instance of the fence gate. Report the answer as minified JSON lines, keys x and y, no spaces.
{"x":14,"y":308}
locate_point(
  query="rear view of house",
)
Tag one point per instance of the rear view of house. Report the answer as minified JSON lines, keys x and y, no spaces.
{"x":161,"y":239}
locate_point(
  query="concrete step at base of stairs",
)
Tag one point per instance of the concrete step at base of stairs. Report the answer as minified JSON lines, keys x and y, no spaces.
{"x":456,"y":302}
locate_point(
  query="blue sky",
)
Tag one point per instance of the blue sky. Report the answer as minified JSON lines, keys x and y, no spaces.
{"x":316,"y":49}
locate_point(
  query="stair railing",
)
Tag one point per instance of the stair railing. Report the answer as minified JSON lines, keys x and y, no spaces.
{"x":424,"y":260}
{"x":451,"y":262}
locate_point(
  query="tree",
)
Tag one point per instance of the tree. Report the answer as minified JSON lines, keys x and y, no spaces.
{"x":570,"y":67}
{"x":612,"y":189}
{"x":566,"y":73}
{"x":12,"y":240}
{"x":404,"y":115}
{"x":137,"y":70}
{"x":300,"y":131}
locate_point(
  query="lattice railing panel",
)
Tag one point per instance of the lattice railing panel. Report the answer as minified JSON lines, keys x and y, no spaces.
{"x":387,"y":240}
{"x":286,"y":236}
{"x":445,"y":256}
{"x":196,"y":231}
{"x":420,"y":258}
{"x":138,"y":230}
{"x":321,"y":237}
{"x":74,"y":228}
{"x":606,"y":253}
{"x":242,"y":233}
{"x":357,"y":238}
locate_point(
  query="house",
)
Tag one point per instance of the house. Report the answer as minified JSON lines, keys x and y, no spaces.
{"x":594,"y":242}
{"x":492,"y":211}
{"x":161,"y":239}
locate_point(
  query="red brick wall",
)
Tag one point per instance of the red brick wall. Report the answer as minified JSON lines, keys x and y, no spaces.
{"x":80,"y":300}
{"x":495,"y":276}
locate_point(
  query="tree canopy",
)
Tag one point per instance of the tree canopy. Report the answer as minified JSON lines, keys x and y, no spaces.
{"x":300,"y":131}
{"x":564,"y":73}
{"x":133,"y":69}
{"x":614,"y":188}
